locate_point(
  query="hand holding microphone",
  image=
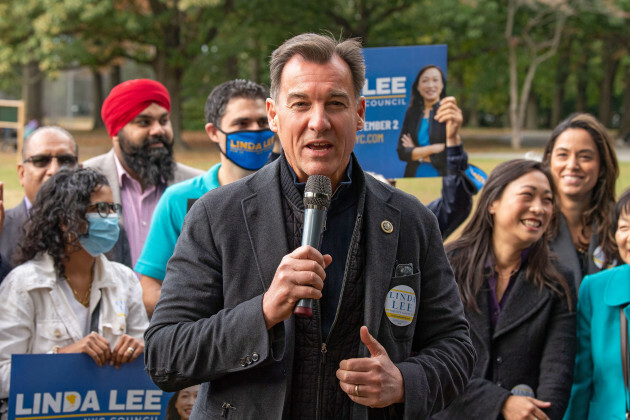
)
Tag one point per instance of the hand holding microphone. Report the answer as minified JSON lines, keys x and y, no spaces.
{"x":316,"y":201}
{"x":300,"y":274}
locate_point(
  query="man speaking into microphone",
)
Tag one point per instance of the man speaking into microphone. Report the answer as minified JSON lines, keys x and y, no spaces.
{"x":387,"y":337}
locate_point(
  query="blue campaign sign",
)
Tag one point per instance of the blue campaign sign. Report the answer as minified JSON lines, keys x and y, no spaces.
{"x":390,"y":72}
{"x":72,"y":386}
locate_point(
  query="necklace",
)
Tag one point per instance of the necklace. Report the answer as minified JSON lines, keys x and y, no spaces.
{"x":86,"y":299}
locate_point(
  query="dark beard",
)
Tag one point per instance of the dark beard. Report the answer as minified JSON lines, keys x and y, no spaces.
{"x":152,"y":165}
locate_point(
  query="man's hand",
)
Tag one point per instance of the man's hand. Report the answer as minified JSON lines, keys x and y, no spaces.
{"x":376,"y":379}
{"x":449,"y":113}
{"x":521,"y":408}
{"x":300,"y":275}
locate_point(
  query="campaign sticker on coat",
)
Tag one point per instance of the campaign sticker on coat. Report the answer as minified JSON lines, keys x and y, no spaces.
{"x":58,"y":386}
{"x":395,"y":141}
{"x":400,"y":305}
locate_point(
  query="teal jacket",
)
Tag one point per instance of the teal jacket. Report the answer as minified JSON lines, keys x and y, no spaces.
{"x":598,"y":390}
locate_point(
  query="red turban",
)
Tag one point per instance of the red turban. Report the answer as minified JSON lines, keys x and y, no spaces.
{"x":129,"y":99}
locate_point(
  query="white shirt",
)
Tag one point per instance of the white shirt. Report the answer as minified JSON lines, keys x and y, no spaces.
{"x":36,"y":314}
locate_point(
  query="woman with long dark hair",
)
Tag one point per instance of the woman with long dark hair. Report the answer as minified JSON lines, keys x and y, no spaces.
{"x":181,"y":403}
{"x":66,"y":297}
{"x":429,"y":122}
{"x":517,"y":301}
{"x":581,"y":158}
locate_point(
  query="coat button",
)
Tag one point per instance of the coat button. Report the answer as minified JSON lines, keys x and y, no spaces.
{"x":499,"y":383}
{"x":499,"y":360}
{"x":57,"y":333}
{"x":248,"y":360}
{"x":242,"y":362}
{"x":255,"y":357}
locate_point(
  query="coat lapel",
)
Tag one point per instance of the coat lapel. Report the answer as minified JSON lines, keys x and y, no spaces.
{"x":617,"y":287}
{"x":381,"y":248}
{"x":563,"y":246}
{"x":480,"y":326}
{"x":524,"y":301}
{"x":264,"y":220}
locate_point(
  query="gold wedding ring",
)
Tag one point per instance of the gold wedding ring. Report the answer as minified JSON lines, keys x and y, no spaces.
{"x":356,"y":390}
{"x":131,"y":350}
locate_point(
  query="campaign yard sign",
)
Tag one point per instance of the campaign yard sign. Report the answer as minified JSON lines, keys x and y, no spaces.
{"x":390,"y":72}
{"x":73,"y":386}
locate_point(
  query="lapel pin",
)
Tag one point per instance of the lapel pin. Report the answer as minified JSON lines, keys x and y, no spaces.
{"x":387,"y":226}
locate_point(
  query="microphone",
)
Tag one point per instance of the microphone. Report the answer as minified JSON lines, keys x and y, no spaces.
{"x":316,"y":201}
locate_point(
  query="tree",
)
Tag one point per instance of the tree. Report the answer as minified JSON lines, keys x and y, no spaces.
{"x":540,"y":35}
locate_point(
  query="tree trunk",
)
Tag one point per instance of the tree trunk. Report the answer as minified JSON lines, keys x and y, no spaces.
{"x":609,"y":65}
{"x":32,"y":91}
{"x":473,"y":110}
{"x":624,"y":128}
{"x":562,"y":74}
{"x":171,"y":77}
{"x":115,"y":76}
{"x":531,"y":113}
{"x":582,"y":84}
{"x":97,"y":101}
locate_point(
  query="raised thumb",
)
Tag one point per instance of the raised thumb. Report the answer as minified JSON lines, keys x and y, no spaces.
{"x":375,"y":348}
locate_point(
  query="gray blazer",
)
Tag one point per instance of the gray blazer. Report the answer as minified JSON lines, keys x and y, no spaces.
{"x":106,"y":165}
{"x":209,"y":318}
{"x":12,"y":230}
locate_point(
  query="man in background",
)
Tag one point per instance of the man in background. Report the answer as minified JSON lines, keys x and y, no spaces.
{"x":140,"y":165}
{"x":44,"y":152}
{"x":236,"y":121}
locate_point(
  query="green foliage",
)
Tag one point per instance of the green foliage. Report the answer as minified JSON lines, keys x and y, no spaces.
{"x":200,"y":43}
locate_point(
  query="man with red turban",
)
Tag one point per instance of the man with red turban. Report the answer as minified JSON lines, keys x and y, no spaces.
{"x":140,"y":165}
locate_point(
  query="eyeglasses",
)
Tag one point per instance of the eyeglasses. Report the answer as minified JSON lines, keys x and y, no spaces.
{"x":105,"y":209}
{"x":42,"y":161}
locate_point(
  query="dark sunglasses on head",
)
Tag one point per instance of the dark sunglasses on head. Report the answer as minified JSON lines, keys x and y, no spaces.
{"x":104,"y":209}
{"x":42,"y":161}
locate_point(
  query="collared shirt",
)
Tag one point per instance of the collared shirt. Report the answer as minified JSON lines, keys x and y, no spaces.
{"x":28,"y":205}
{"x":137,"y":208}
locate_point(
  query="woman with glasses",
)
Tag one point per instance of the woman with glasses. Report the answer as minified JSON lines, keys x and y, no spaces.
{"x":66,"y":297}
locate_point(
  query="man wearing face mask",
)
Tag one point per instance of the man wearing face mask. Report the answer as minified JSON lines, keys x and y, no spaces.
{"x":140,"y":165}
{"x":236,"y":120}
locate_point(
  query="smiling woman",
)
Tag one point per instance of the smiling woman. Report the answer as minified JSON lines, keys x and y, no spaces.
{"x":181,"y":403}
{"x":598,"y":390}
{"x":583,"y":163}
{"x":516,"y":300}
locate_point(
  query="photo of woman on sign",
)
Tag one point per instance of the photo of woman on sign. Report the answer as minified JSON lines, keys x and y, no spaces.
{"x":431,"y":123}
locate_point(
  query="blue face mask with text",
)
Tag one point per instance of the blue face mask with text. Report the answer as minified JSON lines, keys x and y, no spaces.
{"x":102,"y":233}
{"x":248,"y":149}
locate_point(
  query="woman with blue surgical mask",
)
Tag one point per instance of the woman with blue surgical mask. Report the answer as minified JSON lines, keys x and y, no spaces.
{"x":65,"y":296}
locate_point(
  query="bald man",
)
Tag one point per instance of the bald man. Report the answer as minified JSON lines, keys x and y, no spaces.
{"x":140,"y":165}
{"x":44,"y":152}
